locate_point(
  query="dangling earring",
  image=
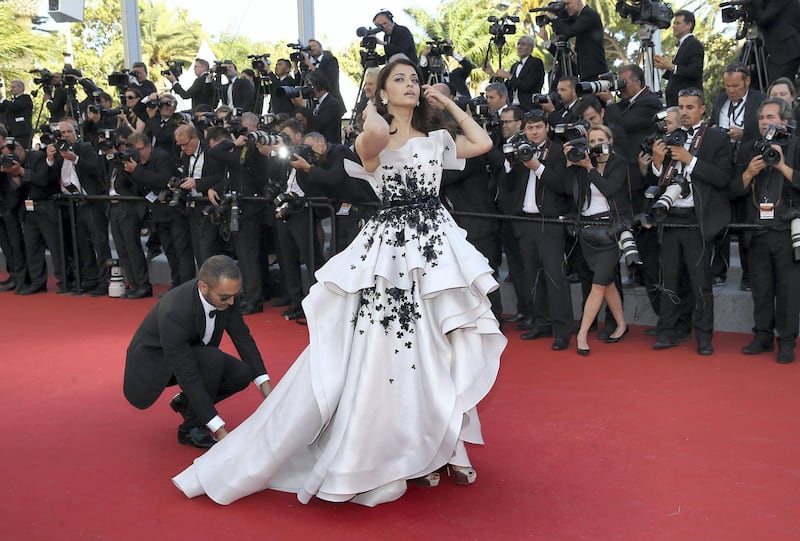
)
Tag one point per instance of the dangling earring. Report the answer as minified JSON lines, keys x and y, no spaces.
{"x":417,"y":105}
{"x":384,"y":101}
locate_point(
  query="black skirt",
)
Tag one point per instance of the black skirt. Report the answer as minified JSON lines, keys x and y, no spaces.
{"x":601,"y":252}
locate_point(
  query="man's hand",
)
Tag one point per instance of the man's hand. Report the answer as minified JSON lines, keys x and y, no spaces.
{"x":298,"y":162}
{"x":213,"y":197}
{"x":266,"y":388}
{"x":129,"y":165}
{"x":220,"y":433}
{"x":189,"y":184}
{"x":659,"y":153}
{"x":69,"y":155}
{"x":171,"y":78}
{"x":548,"y":106}
{"x":662,"y":63}
{"x":735,"y":133}
{"x":680,"y":154}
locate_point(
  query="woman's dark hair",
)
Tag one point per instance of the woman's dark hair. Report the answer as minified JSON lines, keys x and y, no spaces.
{"x":424,"y":119}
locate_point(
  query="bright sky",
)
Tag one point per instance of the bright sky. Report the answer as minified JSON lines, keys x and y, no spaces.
{"x":270,"y":20}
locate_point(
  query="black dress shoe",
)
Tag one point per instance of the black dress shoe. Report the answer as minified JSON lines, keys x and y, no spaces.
{"x":744,"y":285}
{"x":100,"y":291}
{"x":785,"y":353}
{"x":140,"y":293}
{"x":295,"y":314}
{"x":537,"y":332}
{"x":32,"y":290}
{"x":560,"y":344}
{"x":524,"y":325}
{"x":246,"y":308}
{"x":516,"y":318}
{"x":705,"y":349}
{"x":8,"y":285}
{"x":651,"y":331}
{"x":179,"y":404}
{"x":758,"y":346}
{"x":291,"y":308}
{"x":6,"y":281}
{"x":196,"y":436}
{"x":664,"y":343}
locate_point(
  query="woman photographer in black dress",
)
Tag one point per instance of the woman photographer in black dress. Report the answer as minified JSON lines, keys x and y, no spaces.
{"x":600,"y":187}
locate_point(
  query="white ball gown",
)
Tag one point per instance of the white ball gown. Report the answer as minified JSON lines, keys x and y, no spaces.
{"x":403,"y":345}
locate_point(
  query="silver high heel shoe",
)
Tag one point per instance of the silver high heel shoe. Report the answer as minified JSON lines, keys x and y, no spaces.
{"x":462,"y":475}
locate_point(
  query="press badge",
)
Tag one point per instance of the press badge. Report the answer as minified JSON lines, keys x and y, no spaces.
{"x":151,"y":197}
{"x":29,"y":206}
{"x":344,"y":210}
{"x":766,"y":211}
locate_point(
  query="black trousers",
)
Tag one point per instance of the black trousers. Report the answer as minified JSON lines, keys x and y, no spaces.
{"x":684,"y":254}
{"x":94,"y":250}
{"x":204,"y":235}
{"x":486,"y":239}
{"x":516,"y":270}
{"x":13,"y":246}
{"x":126,"y":219}
{"x":173,"y":230}
{"x":542,"y":249}
{"x":40,"y":229}
{"x":223,"y":375}
{"x":294,"y":238}
{"x":246,"y":244}
{"x":775,"y":276}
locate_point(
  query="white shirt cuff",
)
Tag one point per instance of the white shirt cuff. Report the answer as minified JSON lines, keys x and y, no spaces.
{"x":261,"y":379}
{"x":539,"y":170}
{"x":215,"y":424}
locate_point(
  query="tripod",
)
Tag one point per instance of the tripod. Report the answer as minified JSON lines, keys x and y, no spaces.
{"x":499,"y":42}
{"x":646,"y":60}
{"x":754,"y":56}
{"x":437,"y":70}
{"x":563,"y":65}
{"x":369,"y":59}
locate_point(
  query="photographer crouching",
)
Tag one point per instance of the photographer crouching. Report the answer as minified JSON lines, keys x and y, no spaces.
{"x":769,"y":181}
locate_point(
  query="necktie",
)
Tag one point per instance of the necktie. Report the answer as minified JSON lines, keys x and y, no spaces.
{"x":213,"y":313}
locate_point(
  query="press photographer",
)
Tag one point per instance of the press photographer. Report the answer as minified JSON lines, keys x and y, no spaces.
{"x":397,"y":39}
{"x":321,"y":62}
{"x":685,"y":70}
{"x":202,"y":90}
{"x":280,"y":103}
{"x":12,"y":194}
{"x":17,"y":114}
{"x":769,"y":181}
{"x":525,"y":77}
{"x":246,"y":165}
{"x":704,"y":161}
{"x":584,"y":24}
{"x":329,"y":109}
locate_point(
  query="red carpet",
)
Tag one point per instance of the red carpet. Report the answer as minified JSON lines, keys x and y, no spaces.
{"x":627,"y":444}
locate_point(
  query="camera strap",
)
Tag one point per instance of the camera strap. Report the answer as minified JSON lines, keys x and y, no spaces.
{"x":669,"y":173}
{"x":760,"y":191}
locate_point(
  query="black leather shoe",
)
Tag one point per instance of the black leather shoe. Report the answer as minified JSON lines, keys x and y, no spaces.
{"x":179,"y":404}
{"x":559,"y":344}
{"x":537,"y":332}
{"x":651,"y":331}
{"x":705,"y":349}
{"x":785,"y":354}
{"x":524,"y":325}
{"x":196,"y":436}
{"x":516,"y":318}
{"x":744,"y":285}
{"x":101,"y":290}
{"x":8,"y":285}
{"x":295,"y":314}
{"x":246,"y":308}
{"x":6,"y":281}
{"x":664,"y":343}
{"x":32,"y":290}
{"x":140,"y":293}
{"x":758,"y":346}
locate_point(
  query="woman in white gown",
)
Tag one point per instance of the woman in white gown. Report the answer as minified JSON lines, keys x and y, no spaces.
{"x":403,"y":343}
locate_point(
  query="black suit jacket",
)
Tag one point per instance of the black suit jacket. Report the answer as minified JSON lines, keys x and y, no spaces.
{"x":328,"y":118}
{"x":529,"y":82}
{"x":164,"y":135}
{"x":689,"y":61}
{"x":201,"y":93}
{"x":779,"y":21}
{"x":587,"y":29}
{"x":750,"y":125}
{"x":212,"y":175}
{"x":552,"y":192}
{"x":613,"y":184}
{"x":329,"y":67}
{"x":636,"y":120}
{"x":400,"y":41}
{"x":280,"y":104}
{"x":18,"y":115}
{"x":244,"y":94}
{"x":711,"y":183}
{"x":161,"y":349}
{"x":153,"y":176}
{"x":469,"y":190}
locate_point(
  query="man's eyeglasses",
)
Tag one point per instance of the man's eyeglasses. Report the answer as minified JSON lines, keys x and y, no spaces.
{"x":509,"y":121}
{"x":130,"y":97}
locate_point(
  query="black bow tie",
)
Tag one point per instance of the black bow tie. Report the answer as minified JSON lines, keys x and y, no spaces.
{"x":213,"y":313}
{"x":690,"y":131}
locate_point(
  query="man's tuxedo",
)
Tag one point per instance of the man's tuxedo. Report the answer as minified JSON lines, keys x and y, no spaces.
{"x":779,"y":22}
{"x":328,"y":118}
{"x":636,"y":120}
{"x":688,"y":60}
{"x":244,"y":94}
{"x":749,"y":118}
{"x":528,"y":83}
{"x":280,"y":104}
{"x":400,"y":41}
{"x":164,"y":350}
{"x":587,"y":28}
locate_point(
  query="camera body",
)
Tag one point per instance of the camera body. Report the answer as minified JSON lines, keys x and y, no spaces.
{"x":557,"y":8}
{"x":305,"y":92}
{"x":287,"y":203}
{"x":736,"y":10}
{"x":297,"y":55}
{"x":775,"y":135}
{"x":62,"y":145}
{"x":503,"y":25}
{"x":175,"y":68}
{"x":675,"y":138}
{"x":574,"y":134}
{"x":440,"y":47}
{"x":259,"y":62}
{"x":652,"y":12}
{"x":518,"y":149}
